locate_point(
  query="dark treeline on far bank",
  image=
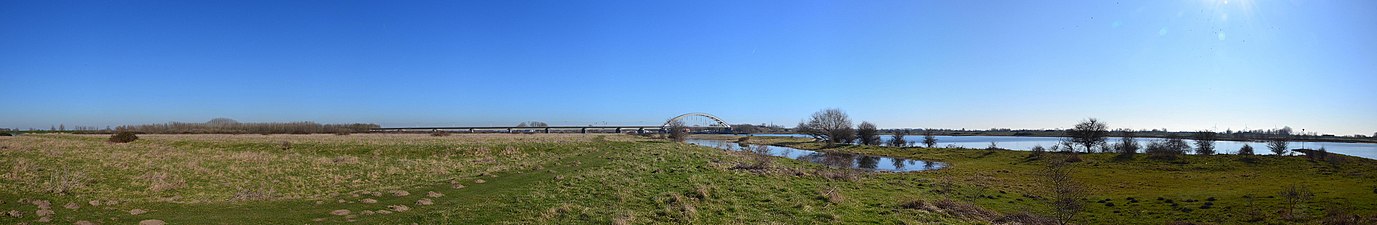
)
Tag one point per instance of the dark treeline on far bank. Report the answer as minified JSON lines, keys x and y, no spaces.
{"x":222,"y":126}
{"x":1230,"y":135}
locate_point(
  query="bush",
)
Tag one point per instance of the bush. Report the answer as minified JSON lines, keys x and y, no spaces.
{"x":1168,"y":149}
{"x":1245,"y":150}
{"x":1037,"y":152}
{"x":123,"y":137}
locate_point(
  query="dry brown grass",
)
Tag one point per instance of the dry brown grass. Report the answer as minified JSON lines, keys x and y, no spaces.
{"x":832,"y":195}
{"x":163,"y":181}
{"x":254,"y":167}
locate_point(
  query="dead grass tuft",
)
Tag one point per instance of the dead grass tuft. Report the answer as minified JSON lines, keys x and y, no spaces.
{"x":65,"y":182}
{"x":163,"y":181}
{"x":254,"y":194}
{"x":832,"y":195}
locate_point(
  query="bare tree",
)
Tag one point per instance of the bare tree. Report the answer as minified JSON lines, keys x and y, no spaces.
{"x":677,"y":130}
{"x":868,"y":133}
{"x":1204,"y":142}
{"x":1278,"y":145}
{"x":803,"y":128}
{"x":896,"y":139}
{"x":1293,"y":196}
{"x":523,"y":124}
{"x":833,"y":125}
{"x":929,"y":139}
{"x":1089,"y":133}
{"x":1066,"y":191}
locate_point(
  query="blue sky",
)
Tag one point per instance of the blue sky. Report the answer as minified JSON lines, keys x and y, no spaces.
{"x":1181,"y":65}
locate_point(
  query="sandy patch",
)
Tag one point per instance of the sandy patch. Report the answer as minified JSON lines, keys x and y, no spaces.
{"x":433,"y":194}
{"x":369,"y":201}
{"x":425,"y":201}
{"x":137,"y":211}
{"x":340,"y":212}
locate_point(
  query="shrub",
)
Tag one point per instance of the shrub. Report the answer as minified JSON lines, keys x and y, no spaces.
{"x":1037,"y":152}
{"x":896,"y":139}
{"x":123,"y":137}
{"x":1245,"y":150}
{"x":929,"y":139}
{"x":1168,"y":149}
{"x":677,"y":131}
{"x":1292,"y":197}
{"x":1278,"y":146}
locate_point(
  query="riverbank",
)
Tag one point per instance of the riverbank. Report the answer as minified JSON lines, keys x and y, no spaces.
{"x":1184,"y":135}
{"x":1203,"y":189}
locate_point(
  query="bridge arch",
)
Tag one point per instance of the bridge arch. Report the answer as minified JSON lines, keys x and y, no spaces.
{"x":720,"y":123}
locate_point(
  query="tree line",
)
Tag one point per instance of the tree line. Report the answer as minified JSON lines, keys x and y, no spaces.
{"x":229,"y":126}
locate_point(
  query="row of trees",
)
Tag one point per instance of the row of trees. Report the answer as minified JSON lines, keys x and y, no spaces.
{"x":229,"y":126}
{"x":833,"y":126}
{"x":1090,"y":135}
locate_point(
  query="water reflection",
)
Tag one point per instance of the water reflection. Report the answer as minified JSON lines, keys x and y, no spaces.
{"x":878,"y":163}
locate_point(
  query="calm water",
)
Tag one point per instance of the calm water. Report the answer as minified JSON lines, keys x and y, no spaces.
{"x":1364,"y":150}
{"x":878,"y":163}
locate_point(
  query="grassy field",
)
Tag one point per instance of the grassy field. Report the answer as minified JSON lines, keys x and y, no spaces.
{"x":1237,"y":189}
{"x":601,"y":179}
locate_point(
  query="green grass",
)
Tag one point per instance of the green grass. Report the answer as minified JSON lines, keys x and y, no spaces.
{"x":1241,"y":186}
{"x":601,"y":179}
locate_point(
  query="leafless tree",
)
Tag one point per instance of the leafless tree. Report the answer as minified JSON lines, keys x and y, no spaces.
{"x":833,"y":124}
{"x":929,"y":139}
{"x":1278,"y":145}
{"x":1293,"y":196}
{"x":1066,"y":191}
{"x":803,"y":128}
{"x":1089,"y":133}
{"x":896,"y":139}
{"x":868,"y":133}
{"x":677,"y":130}
{"x":1204,"y":142}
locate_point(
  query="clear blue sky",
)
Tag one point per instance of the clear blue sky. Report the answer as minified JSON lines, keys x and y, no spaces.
{"x":1181,"y":65}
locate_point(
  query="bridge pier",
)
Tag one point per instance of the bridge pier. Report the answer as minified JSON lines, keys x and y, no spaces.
{"x":640,"y":130}
{"x":619,"y":130}
{"x":547,"y":130}
{"x":583,"y":130}
{"x":470,"y":130}
{"x":509,"y":130}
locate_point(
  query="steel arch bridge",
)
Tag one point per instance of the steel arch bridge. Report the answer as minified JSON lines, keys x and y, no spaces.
{"x":716,"y":122}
